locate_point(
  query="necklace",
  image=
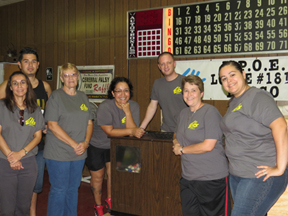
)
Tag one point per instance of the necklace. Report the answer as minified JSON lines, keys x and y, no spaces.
{"x":197,"y":108}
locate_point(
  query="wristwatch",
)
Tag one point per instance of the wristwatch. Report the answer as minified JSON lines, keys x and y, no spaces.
{"x":181,"y":150}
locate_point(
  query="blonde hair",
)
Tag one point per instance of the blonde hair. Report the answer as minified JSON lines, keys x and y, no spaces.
{"x":68,"y":66}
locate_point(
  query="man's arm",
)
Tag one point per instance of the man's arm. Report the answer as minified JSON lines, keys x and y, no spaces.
{"x":47,"y":88}
{"x":3,"y":89}
{"x":150,"y":112}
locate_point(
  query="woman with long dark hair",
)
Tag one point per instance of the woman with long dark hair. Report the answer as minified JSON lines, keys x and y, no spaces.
{"x":21,"y":125}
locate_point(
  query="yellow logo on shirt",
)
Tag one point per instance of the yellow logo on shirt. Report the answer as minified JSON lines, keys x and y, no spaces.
{"x":123,"y":120}
{"x":30,"y":122}
{"x":177,"y":90}
{"x":84,"y":107}
{"x":238,"y":107}
{"x":193,"y":125}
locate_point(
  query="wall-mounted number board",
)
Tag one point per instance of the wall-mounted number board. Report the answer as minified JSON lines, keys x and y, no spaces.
{"x":210,"y":28}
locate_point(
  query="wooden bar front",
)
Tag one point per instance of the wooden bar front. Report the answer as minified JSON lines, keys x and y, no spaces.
{"x":153,"y":191}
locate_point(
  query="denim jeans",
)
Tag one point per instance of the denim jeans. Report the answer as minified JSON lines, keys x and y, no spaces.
{"x":41,"y":166}
{"x":253,"y":197}
{"x":65,"y":179}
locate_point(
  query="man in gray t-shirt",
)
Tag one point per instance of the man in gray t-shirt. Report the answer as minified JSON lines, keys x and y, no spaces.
{"x":167,"y":91}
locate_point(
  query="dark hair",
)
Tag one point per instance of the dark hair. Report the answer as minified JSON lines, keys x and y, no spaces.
{"x":193,"y":79}
{"x":233,"y":63}
{"x":27,"y":50}
{"x":115,"y":81}
{"x":30,"y":99}
{"x":165,"y":53}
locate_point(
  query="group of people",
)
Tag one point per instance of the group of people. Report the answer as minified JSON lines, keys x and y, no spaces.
{"x":69,"y":132}
{"x":256,"y":145}
{"x":256,"y":142}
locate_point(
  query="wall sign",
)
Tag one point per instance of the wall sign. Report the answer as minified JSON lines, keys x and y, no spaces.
{"x":267,"y":73}
{"x":49,"y":74}
{"x":145,"y":33}
{"x":227,"y":27}
{"x":94,"y":81}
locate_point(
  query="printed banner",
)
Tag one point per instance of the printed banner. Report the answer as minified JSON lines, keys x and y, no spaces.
{"x":268,"y":73}
{"x":94,"y":81}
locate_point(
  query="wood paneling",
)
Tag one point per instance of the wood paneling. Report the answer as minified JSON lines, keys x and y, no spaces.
{"x":9,"y":69}
{"x":155,"y":191}
{"x":84,"y":32}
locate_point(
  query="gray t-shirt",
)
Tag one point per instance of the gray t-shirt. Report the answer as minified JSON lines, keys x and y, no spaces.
{"x":193,"y":128}
{"x":248,"y":138}
{"x":170,"y":98}
{"x":15,"y":135}
{"x":109,"y":114}
{"x":72,"y":115}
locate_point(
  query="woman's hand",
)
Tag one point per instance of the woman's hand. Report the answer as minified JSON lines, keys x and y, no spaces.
{"x":16,"y":165}
{"x":268,"y":172}
{"x":138,"y":132}
{"x":126,"y":108}
{"x":81,"y":148}
{"x":15,"y":156}
{"x":176,"y":148}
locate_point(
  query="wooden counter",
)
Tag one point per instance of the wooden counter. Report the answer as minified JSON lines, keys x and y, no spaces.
{"x":155,"y":190}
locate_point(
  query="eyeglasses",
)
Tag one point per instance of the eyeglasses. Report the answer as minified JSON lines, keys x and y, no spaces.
{"x":21,"y":119}
{"x":120,"y":91}
{"x":70,"y":75}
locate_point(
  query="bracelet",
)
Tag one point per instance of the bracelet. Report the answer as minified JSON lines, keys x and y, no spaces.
{"x":25,"y":151}
{"x":142,"y":128}
{"x":87,"y":142}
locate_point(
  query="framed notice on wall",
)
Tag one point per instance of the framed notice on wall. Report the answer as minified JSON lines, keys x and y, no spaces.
{"x":210,"y":28}
{"x":94,"y":81}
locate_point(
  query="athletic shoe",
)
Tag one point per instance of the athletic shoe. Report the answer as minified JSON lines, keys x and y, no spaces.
{"x":108,"y":204}
{"x":98,"y":209}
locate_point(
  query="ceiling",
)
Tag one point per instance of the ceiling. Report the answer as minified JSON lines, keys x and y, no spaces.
{"x":7,"y":2}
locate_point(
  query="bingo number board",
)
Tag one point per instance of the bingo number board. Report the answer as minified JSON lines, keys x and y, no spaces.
{"x":145,"y":33}
{"x":228,"y":27}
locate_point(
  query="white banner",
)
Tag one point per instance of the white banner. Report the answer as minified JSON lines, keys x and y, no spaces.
{"x":268,"y":73}
{"x":94,"y":81}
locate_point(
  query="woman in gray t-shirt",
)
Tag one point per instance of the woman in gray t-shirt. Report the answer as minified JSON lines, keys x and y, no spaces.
{"x":198,"y":139}
{"x":116,"y":116}
{"x":69,"y":131}
{"x":21,"y":125}
{"x":256,"y":144}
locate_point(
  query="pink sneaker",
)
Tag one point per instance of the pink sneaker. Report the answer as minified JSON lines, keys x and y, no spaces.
{"x":98,"y":209}
{"x":108,"y":204}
